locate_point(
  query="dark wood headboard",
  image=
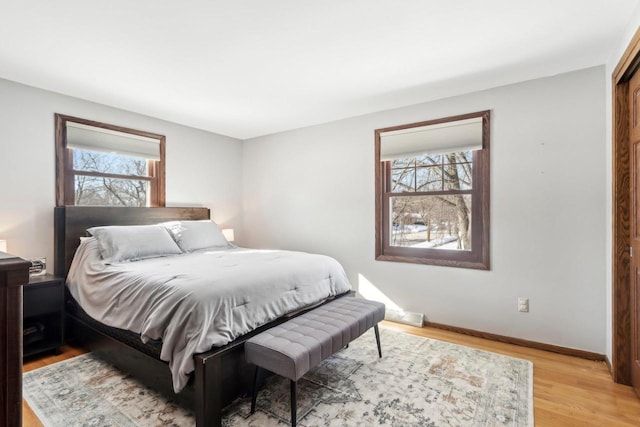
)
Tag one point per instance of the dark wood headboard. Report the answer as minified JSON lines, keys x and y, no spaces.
{"x":71,"y":223}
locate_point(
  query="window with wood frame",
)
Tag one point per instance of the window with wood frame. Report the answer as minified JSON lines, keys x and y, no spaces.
{"x":98,"y":164}
{"x":432,"y":192}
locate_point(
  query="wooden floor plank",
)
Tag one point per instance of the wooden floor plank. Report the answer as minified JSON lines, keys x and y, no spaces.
{"x":568,"y":391}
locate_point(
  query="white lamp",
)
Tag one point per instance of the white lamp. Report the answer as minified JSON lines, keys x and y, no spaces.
{"x":3,"y":246}
{"x":228,"y":234}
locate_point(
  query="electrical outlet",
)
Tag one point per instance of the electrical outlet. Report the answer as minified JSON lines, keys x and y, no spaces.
{"x":523,"y":305}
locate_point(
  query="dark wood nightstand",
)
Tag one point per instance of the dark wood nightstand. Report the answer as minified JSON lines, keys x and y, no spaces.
{"x":43,"y":314}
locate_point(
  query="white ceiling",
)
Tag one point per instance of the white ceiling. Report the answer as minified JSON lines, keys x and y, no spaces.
{"x":254,"y":67}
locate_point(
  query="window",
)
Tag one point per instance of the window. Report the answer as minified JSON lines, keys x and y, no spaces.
{"x":105,"y":165}
{"x":432,"y":192}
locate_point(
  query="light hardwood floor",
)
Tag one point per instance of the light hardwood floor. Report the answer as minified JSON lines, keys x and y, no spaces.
{"x":568,"y":391}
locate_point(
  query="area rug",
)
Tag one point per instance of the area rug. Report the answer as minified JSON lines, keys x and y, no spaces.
{"x":418,"y":382}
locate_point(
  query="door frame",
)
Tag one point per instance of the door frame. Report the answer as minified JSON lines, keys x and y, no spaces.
{"x":621,"y":214}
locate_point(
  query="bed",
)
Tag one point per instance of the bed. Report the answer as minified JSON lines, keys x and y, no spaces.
{"x":220,"y":374}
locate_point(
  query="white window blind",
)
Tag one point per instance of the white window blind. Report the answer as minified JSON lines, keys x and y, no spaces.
{"x":450,"y":137}
{"x":90,"y":138}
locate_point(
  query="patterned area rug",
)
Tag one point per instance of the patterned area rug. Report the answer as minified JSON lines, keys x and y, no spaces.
{"x":418,"y":382}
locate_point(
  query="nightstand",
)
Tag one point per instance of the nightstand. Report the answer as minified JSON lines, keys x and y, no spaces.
{"x":43,"y":314}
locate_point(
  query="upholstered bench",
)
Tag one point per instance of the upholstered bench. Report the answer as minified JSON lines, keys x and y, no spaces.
{"x":292,"y":348}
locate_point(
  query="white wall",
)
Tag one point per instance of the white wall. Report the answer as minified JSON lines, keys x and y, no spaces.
{"x":202,"y":169}
{"x":312,"y":189}
{"x":617,"y":52}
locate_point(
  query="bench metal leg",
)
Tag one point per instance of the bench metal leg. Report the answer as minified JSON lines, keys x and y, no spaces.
{"x":377,"y":331}
{"x":293,"y":403}
{"x":254,"y":393}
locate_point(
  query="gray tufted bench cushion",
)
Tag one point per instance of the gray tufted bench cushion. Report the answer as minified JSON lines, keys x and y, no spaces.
{"x":294,"y":347}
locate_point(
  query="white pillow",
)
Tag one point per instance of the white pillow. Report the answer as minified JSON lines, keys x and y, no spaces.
{"x":194,"y":235}
{"x":133,"y":242}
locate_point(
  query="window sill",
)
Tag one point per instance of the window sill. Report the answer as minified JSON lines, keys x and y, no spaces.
{"x":477,"y":265}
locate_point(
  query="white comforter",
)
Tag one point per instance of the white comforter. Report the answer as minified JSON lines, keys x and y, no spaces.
{"x":197,"y":301}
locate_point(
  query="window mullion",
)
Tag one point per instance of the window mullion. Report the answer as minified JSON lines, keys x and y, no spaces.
{"x":430,"y":193}
{"x":111,"y":175}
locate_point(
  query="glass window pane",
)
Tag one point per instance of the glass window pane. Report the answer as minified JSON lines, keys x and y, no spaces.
{"x":100,"y":191}
{"x":460,"y":157}
{"x":92,"y":161}
{"x":429,"y":179}
{"x":464,"y":176}
{"x":437,"y":222}
{"x":403,"y":163}
{"x":403,"y":180}
{"x":429,"y":160}
{"x":466,"y":156}
{"x":457,"y":176}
